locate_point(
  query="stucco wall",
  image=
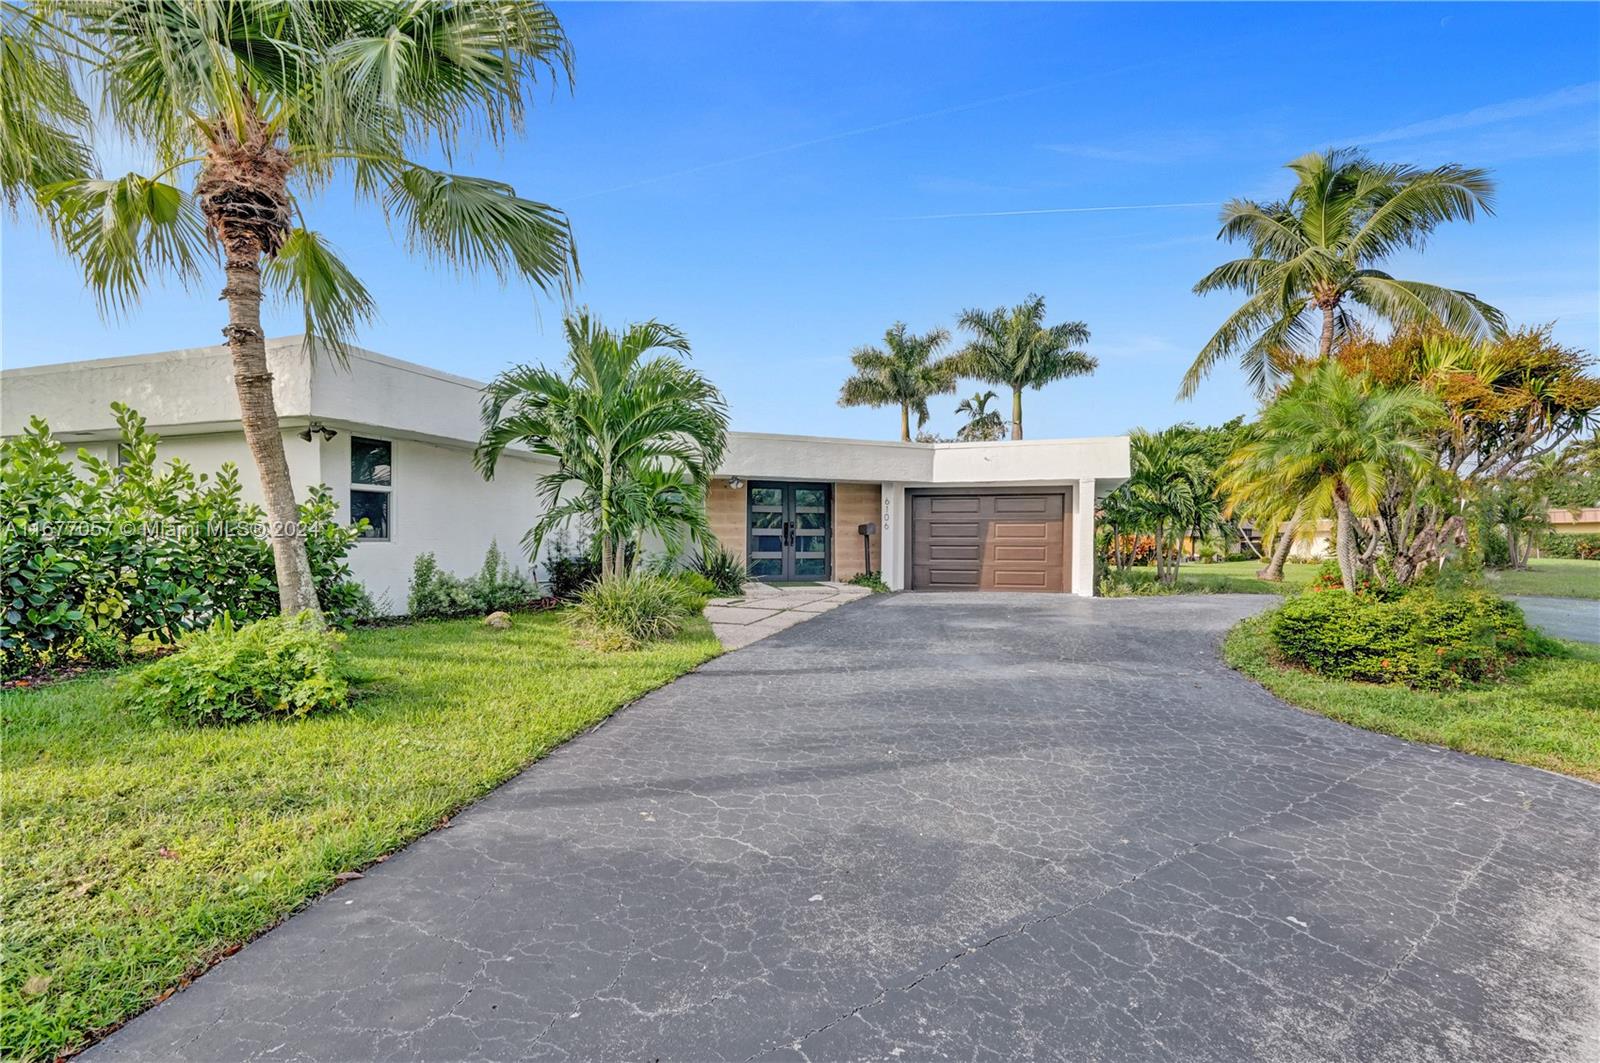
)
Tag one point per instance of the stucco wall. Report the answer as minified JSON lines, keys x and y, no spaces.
{"x":854,"y":505}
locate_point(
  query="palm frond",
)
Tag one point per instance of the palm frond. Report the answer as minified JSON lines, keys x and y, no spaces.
{"x":334,"y":301}
{"x":119,"y":231}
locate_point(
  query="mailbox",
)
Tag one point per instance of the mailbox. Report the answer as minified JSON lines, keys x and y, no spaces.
{"x":867,"y":530}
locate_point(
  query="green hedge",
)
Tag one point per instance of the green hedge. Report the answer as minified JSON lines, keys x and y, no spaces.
{"x":140,"y":548}
{"x":1425,"y":639}
{"x":1584,"y":547}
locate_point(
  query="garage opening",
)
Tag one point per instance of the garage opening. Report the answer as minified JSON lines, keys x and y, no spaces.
{"x":1014,"y":540}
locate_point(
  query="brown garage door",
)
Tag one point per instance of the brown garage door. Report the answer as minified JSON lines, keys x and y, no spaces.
{"x":989,"y":541}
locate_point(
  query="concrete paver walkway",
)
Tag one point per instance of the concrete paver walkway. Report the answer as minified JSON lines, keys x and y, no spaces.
{"x":953,"y":826}
{"x":765,"y":610}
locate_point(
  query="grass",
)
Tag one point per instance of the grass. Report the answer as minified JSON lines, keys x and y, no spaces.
{"x":1546,"y":713}
{"x":135,"y":857}
{"x":1230,"y":577}
{"x":1555,"y":577}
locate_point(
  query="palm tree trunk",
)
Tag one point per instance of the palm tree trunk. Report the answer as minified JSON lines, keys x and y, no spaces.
{"x":905,"y":422}
{"x":1345,"y":547}
{"x":1016,"y":413}
{"x":1281,"y":548}
{"x":252,"y":379}
{"x":1325,"y":345}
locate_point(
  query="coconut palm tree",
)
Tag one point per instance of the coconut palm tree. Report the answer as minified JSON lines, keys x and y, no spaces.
{"x":1013,"y":347}
{"x":905,"y":372}
{"x":248,"y":108}
{"x":1315,"y":253}
{"x":635,"y":433}
{"x":983,"y":424}
{"x":1335,"y":439}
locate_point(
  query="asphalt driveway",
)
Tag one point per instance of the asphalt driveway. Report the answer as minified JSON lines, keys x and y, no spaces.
{"x":1565,"y":618}
{"x":951,"y":825}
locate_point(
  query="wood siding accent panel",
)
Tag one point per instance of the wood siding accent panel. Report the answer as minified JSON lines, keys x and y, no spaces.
{"x":726,"y":510}
{"x":855,"y":505}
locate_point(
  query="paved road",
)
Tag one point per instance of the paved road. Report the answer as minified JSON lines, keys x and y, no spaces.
{"x":1565,"y":618}
{"x":969,"y":826}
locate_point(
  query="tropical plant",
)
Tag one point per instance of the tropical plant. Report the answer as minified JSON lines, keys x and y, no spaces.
{"x":498,"y":585}
{"x":635,"y":433}
{"x":280,"y":667}
{"x":248,"y":108}
{"x":905,"y":372}
{"x":1013,"y":347}
{"x":622,"y":611}
{"x":725,"y":569}
{"x":1336,"y":439}
{"x":1316,"y":252}
{"x":983,"y":424}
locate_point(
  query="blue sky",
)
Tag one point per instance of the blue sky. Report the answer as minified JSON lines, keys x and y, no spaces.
{"x":783,"y":182}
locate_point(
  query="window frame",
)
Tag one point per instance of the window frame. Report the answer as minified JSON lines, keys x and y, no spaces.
{"x":387,"y":490}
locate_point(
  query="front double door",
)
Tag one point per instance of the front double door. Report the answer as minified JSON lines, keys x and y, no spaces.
{"x":789,"y":537}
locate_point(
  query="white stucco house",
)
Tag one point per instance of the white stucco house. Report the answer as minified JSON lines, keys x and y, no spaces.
{"x":394,"y":441}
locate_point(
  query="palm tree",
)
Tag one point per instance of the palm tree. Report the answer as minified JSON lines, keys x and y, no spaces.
{"x":1015,"y":348}
{"x":1170,"y":489}
{"x":635,"y":437}
{"x":983,"y":424}
{"x":904,"y":375}
{"x":1335,"y":439}
{"x":1318,"y":251}
{"x":246,"y":107}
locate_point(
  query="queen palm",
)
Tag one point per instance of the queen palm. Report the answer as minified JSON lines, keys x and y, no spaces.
{"x":1314,"y":254}
{"x":247,"y":108}
{"x":905,"y":372}
{"x":983,"y":424}
{"x":635,"y":433}
{"x":1013,"y":347}
{"x":1335,"y":439}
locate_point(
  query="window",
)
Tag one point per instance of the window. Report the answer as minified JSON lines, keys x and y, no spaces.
{"x":371,"y":467}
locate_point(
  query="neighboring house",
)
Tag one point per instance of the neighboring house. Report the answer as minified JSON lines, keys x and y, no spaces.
{"x":394,"y":441}
{"x":1585,"y":521}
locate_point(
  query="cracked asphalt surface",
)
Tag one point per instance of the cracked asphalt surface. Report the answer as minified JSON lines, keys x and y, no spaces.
{"x":985,"y":826}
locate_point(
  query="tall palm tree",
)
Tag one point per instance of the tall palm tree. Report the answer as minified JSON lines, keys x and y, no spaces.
{"x":1317,"y":252}
{"x":1335,"y":439}
{"x":247,"y":107}
{"x":1015,"y":348}
{"x":905,"y":372}
{"x":983,"y":424}
{"x":636,"y":434}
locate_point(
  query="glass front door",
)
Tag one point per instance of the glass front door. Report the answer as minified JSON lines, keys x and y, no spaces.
{"x":789,"y":537}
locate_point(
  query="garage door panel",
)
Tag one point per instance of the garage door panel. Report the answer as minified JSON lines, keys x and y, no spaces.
{"x":1014,"y":542}
{"x":1018,"y":531}
{"x":1024,"y":504}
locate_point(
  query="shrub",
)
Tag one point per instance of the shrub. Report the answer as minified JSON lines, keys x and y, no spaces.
{"x":273,"y":668}
{"x":623,"y":612}
{"x":569,"y":571}
{"x":140,"y":548}
{"x":725,"y":569}
{"x":1584,"y":547}
{"x":872,"y":580}
{"x":497,"y":586}
{"x":1425,"y":638}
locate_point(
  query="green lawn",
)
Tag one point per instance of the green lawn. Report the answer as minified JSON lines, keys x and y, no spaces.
{"x":1546,"y":713}
{"x":135,"y":857}
{"x":1554,"y":576}
{"x":1239,"y":577}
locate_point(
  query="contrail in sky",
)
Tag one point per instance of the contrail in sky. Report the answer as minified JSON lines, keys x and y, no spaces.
{"x":874,"y":128}
{"x":1054,"y":210}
